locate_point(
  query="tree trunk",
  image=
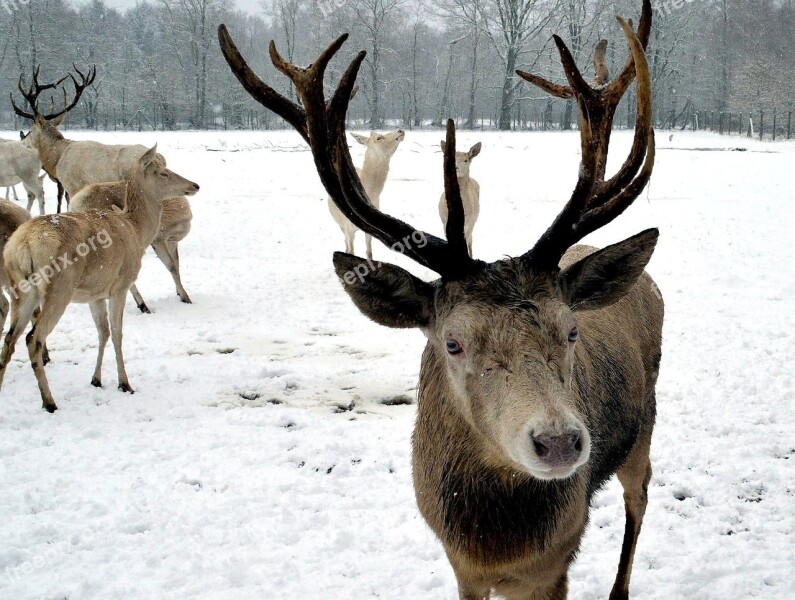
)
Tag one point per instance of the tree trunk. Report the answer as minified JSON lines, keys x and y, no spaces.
{"x":507,"y":95}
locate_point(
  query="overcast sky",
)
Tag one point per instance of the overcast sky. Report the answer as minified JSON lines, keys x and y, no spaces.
{"x":251,"y":6}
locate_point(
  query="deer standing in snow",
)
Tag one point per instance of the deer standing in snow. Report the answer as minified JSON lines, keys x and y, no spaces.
{"x":470,"y":192}
{"x":380,"y":148}
{"x":91,"y":257}
{"x":175,"y":225}
{"x":19,"y":163}
{"x":537,"y":382}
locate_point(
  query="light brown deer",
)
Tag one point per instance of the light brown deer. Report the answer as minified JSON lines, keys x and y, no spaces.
{"x":373,"y":174}
{"x":92,"y":258}
{"x":175,"y":225}
{"x":11,"y":217}
{"x":537,"y":381}
{"x":469,"y":190}
{"x":31,"y":94}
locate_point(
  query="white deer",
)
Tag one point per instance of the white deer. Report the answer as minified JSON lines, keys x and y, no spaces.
{"x":19,"y":163}
{"x":470,"y":192}
{"x":92,"y":258}
{"x":380,"y":148}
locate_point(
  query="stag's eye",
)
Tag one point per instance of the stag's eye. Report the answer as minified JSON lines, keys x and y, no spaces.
{"x":454,"y":347}
{"x":573,"y":335}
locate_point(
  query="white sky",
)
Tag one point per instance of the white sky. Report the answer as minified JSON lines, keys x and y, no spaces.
{"x":251,"y":6}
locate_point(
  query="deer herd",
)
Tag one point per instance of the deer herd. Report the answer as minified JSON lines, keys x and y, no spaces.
{"x":537,"y":382}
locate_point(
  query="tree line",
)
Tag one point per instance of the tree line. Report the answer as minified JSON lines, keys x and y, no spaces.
{"x":159,"y":66}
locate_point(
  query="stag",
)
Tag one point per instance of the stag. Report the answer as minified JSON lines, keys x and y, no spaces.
{"x":537,"y":383}
{"x":31,"y":93}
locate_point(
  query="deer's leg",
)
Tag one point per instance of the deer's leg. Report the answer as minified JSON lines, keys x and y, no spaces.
{"x":22,"y":308}
{"x":116,"y":305}
{"x":31,"y":198}
{"x":369,"y":241}
{"x":45,"y":357}
{"x":6,"y":193}
{"x":168,"y":254}
{"x":350,"y":234}
{"x":99,"y":310}
{"x":52,"y":309}
{"x":139,"y":300}
{"x":634,"y":476}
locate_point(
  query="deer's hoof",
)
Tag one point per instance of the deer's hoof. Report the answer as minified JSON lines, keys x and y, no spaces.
{"x":144,"y":309}
{"x":185,"y":300}
{"x":96,"y":382}
{"x":50,"y":408}
{"x":126,"y":388}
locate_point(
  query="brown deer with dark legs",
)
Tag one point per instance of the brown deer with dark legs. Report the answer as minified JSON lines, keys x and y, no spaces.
{"x":537,"y":382}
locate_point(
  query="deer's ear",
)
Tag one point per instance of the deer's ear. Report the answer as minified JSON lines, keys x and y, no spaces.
{"x":58,"y":121}
{"x":387,"y":294}
{"x":474,"y":150}
{"x":604,"y":277}
{"x":363,"y":140}
{"x":443,"y":145}
{"x":148,"y":157}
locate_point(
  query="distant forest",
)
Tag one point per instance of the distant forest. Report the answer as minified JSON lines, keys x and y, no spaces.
{"x":159,"y":65}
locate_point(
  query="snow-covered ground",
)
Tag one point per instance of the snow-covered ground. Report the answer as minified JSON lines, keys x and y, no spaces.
{"x":239,"y":469}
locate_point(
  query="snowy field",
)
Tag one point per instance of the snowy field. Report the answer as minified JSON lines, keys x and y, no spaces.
{"x":265,"y":454}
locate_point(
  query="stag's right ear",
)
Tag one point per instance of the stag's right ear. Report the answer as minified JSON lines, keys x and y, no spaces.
{"x":387,"y":294}
{"x":362,"y":139}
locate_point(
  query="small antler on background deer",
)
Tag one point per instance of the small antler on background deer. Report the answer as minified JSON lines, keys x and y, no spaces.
{"x":322,"y":125}
{"x":32,"y":92}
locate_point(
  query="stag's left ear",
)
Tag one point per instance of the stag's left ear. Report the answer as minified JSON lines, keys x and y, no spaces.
{"x":604,"y":277}
{"x":387,"y":294}
{"x":474,"y":150}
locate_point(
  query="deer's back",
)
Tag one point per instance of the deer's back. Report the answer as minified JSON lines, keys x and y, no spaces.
{"x":85,"y":162}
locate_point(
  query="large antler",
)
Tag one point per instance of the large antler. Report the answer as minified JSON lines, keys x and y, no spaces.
{"x":34,"y":90}
{"x":322,"y":124}
{"x":595,"y":202}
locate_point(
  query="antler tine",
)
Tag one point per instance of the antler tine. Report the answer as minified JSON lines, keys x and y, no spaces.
{"x":19,"y":111}
{"x":640,"y":142}
{"x":576,"y":81}
{"x":594,"y":202}
{"x":452,"y":192}
{"x":322,"y":125}
{"x":85,"y":81}
{"x":258,"y":89}
{"x":620,"y":84}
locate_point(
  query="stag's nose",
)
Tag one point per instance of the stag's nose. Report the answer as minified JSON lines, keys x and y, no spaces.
{"x":558,"y":451}
{"x":195,"y":187}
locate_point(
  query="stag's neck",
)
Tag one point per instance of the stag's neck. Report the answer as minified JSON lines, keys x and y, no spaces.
{"x":480,"y":505}
{"x":51,"y":149}
{"x":143,"y":212}
{"x":373,"y":174}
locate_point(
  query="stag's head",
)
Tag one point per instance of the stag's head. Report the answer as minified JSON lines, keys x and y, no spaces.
{"x":502,"y":336}
{"x":156,"y":180}
{"x":463,"y":160}
{"x":381,"y":145}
